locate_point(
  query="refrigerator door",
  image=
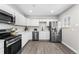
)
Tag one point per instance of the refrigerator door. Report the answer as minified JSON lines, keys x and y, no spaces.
{"x":53,"y":32}
{"x":53,"y":36}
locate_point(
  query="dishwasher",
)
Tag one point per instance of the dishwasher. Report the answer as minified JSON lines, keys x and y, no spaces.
{"x":35,"y":35}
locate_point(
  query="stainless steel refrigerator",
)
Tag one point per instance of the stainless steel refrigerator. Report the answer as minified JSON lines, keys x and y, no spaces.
{"x":54,"y":35}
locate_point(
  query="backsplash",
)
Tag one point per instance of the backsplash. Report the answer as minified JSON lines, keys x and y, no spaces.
{"x":6,"y":26}
{"x":31,"y":28}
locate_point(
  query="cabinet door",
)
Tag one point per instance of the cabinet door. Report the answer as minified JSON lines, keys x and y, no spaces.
{"x":20,"y":19}
{"x":1,"y":46}
{"x":26,"y":37}
{"x":28,"y":21}
{"x":32,"y":22}
{"x":35,"y":22}
{"x":44,"y":35}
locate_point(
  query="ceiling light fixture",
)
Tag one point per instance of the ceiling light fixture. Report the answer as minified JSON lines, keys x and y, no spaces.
{"x":51,"y":11}
{"x":30,"y":11}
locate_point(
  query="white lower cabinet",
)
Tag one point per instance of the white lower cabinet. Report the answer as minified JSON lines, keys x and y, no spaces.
{"x":1,"y":46}
{"x":2,"y":50}
{"x":24,"y":40}
{"x":26,"y":36}
{"x":44,"y":35}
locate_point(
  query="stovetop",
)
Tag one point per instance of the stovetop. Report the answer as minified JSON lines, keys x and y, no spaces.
{"x":10,"y":37}
{"x":7,"y":37}
{"x":4,"y":35}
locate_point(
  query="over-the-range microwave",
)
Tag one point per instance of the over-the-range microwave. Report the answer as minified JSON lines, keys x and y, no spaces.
{"x":6,"y":17}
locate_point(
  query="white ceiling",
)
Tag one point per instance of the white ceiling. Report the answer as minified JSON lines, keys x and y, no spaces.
{"x":41,"y":9}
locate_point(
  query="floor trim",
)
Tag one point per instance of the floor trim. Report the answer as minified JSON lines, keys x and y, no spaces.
{"x":70,"y":47}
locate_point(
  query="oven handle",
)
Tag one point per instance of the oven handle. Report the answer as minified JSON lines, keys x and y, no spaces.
{"x":12,"y":43}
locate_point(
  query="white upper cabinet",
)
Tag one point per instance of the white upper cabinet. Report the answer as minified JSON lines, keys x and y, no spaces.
{"x":35,"y":22}
{"x":32,"y":22}
{"x":20,"y":19}
{"x":47,"y":21}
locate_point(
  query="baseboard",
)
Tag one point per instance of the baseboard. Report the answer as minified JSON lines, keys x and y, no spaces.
{"x":70,"y":47}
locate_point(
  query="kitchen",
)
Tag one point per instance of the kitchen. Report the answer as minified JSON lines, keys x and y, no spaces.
{"x":22,"y":23}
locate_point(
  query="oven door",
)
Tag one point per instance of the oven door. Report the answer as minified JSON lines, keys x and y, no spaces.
{"x":14,"y":48}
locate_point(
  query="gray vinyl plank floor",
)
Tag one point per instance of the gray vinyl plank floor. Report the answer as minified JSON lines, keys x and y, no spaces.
{"x":45,"y":47}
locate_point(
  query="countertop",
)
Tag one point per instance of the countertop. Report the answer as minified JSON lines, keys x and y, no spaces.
{"x":31,"y":31}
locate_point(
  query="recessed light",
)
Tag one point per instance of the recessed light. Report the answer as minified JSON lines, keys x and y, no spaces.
{"x":76,"y":24}
{"x":51,"y":11}
{"x":30,"y":11}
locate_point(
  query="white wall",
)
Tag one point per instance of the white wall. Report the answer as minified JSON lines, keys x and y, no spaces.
{"x":70,"y":35}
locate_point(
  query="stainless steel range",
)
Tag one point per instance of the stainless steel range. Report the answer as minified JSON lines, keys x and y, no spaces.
{"x":12,"y":44}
